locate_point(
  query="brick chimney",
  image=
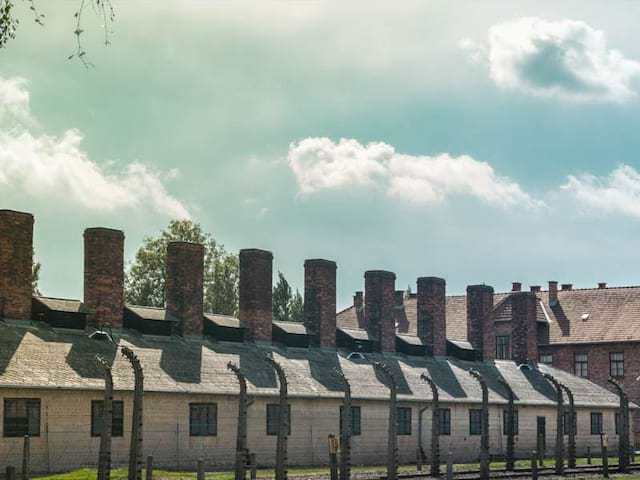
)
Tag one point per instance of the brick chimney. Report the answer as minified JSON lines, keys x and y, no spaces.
{"x":379,"y":297}
{"x":516,"y":286}
{"x":320,"y":300}
{"x":535,"y":288}
{"x":399,"y":299}
{"x":567,"y":286}
{"x":358,"y":300}
{"x":104,"y":276}
{"x":553,"y":293}
{"x":256,"y":290}
{"x":16,"y":262}
{"x":524,"y":335}
{"x":480,"y":328}
{"x":185,"y":286}
{"x":602,"y":285}
{"x":431,"y":314}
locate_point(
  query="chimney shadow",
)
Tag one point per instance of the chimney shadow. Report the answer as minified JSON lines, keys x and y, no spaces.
{"x":11,"y":340}
{"x":251,"y":360}
{"x":402,"y":386}
{"x":492,"y":376}
{"x":322,"y":365}
{"x":561,"y":318}
{"x":444,"y":377}
{"x":540,"y":384}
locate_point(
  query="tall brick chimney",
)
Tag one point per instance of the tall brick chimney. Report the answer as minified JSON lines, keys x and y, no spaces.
{"x":185,"y":286}
{"x":379,"y":298}
{"x":431,"y":313}
{"x":320,"y":300}
{"x":16,"y":262}
{"x":358,"y":301}
{"x":104,"y":276}
{"x":256,"y":290}
{"x":480,"y":328}
{"x":524,"y":333}
{"x":553,"y":293}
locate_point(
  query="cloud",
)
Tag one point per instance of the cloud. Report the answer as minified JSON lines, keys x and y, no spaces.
{"x":565,"y":59}
{"x":619,"y":192}
{"x":321,"y":164}
{"x":49,"y":166}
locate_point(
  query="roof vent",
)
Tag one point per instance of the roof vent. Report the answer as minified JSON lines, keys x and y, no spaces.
{"x":567,"y":286}
{"x":585,"y":317}
{"x":516,"y":286}
{"x":357,"y":355}
{"x":524,"y":366}
{"x":535,"y":288}
{"x":602,"y":285}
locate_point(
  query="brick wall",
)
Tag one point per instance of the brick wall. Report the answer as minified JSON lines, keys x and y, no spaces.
{"x":480,"y":328}
{"x":184,"y":286}
{"x":256,"y":292}
{"x":431,"y":313}
{"x":379,"y":299}
{"x":524,"y":337}
{"x":16,"y":260}
{"x":320,"y":300}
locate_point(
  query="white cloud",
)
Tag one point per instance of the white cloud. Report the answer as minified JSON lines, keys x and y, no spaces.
{"x":567,"y":59}
{"x":42,"y":165}
{"x":321,"y":164}
{"x":619,"y":192}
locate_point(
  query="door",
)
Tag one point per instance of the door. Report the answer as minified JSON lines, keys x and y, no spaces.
{"x":541,"y":431}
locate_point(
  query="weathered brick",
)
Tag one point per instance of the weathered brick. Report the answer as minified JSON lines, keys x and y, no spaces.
{"x":431,"y":313}
{"x":184,"y":286}
{"x":480,"y":328}
{"x":256,"y":293}
{"x":320,"y":300}
{"x":16,"y":262}
{"x":524,"y":337}
{"x":379,"y":296}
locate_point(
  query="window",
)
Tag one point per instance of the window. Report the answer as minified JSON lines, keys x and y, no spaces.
{"x":502,"y":347}
{"x":581,"y":364}
{"x":21,"y":417}
{"x":475,"y":422}
{"x":355,"y":420}
{"x":616,"y":364}
{"x":546,"y":359}
{"x":117,"y":418}
{"x":596,"y":423}
{"x":272,"y":419}
{"x":505,"y":422}
{"x":203,"y":419}
{"x":565,"y":423}
{"x":445,"y":421}
{"x":403,"y":420}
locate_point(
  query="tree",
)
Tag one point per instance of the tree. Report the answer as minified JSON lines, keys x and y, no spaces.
{"x":145,"y":277}
{"x":35,"y":277}
{"x":287,"y":306}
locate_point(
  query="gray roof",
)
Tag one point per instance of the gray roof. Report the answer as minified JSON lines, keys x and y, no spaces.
{"x":356,"y":333}
{"x":151,"y":313}
{"x":62,"y":304}
{"x":44,"y":358}
{"x":294,"y":328}
{"x":223,"y":320}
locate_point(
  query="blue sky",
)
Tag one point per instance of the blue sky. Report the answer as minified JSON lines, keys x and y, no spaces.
{"x":491,"y":142}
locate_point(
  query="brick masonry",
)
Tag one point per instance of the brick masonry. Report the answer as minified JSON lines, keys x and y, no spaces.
{"x":480,"y":329}
{"x":320,"y":300}
{"x":379,"y":299}
{"x":256,"y":291}
{"x":431,"y":313}
{"x":524,"y":338}
{"x":16,"y":262}
{"x":104,"y":276}
{"x":184,"y":286}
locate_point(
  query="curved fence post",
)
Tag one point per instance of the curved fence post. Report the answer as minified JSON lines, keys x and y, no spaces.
{"x":510,"y":426}
{"x":623,"y":427}
{"x":571,"y":428}
{"x":241,"y":436}
{"x":484,"y":438}
{"x":392,"y":446}
{"x":104,"y":455}
{"x":345,"y":433}
{"x":559,"y":451}
{"x":283,"y":422}
{"x":135,"y":449}
{"x":435,"y":427}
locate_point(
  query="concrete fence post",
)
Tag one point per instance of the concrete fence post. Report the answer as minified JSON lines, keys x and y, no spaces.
{"x":510,"y":426}
{"x":392,"y":441}
{"x":449,"y":465}
{"x":149,"y":475}
{"x":200,"y":471}
{"x":254,"y":468}
{"x":559,"y":450}
{"x":484,"y":437}
{"x":104,"y":453}
{"x":241,"y":435}
{"x":589,"y":454}
{"x":604,"y":443}
{"x":283,"y":421}
{"x":435,"y":426}
{"x":346,"y":427}
{"x":26,"y":458}
{"x":571,"y":428}
{"x":624,"y":441}
{"x":11,"y":472}
{"x":333,"y":456}
{"x":534,"y":465}
{"x":135,"y":448}
{"x":540,"y":449}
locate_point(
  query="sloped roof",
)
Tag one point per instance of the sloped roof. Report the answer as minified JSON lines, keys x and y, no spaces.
{"x":223,"y":320}
{"x":62,"y":304}
{"x":292,"y":328}
{"x":151,"y":313}
{"x":44,"y":358}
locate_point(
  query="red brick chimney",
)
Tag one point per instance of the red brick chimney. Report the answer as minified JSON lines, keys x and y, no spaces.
{"x":480,"y":328}
{"x":358,"y":301}
{"x":535,"y":288}
{"x":553,"y":293}
{"x":320,"y":300}
{"x":256,"y":290}
{"x":379,"y":298}
{"x":185,"y":286}
{"x":16,"y":262}
{"x":524,"y":333}
{"x":104,"y":276}
{"x":567,"y":286}
{"x":431,"y":314}
{"x":516,"y":286}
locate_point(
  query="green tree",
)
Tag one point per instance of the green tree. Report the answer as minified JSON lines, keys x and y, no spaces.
{"x":287,"y":306}
{"x":35,"y":278}
{"x":145,"y":277}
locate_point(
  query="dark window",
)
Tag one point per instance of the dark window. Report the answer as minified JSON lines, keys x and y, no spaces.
{"x":203,"y":419}
{"x":565,"y":423}
{"x":403,"y":420}
{"x":546,"y":359}
{"x":117,"y":418}
{"x":581,"y":364}
{"x":355,"y":420}
{"x":617,"y":423}
{"x":596,"y":423}
{"x":616,"y":364}
{"x":272,"y":419}
{"x":475,"y":421}
{"x":502,"y":347}
{"x":445,"y":421}
{"x":515,"y":422}
{"x":21,"y":417}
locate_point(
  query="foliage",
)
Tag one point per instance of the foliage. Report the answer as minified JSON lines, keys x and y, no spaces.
{"x":287,"y":306}
{"x":35,"y":277}
{"x":145,"y":277}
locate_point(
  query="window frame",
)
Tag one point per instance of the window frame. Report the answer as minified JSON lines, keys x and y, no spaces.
{"x":584,"y":364}
{"x":211,"y":426}
{"x":503,"y":350}
{"x":270,"y":418}
{"x":444,"y":421}
{"x":475,"y":421}
{"x":403,"y":420}
{"x":119,"y":432}
{"x":548,"y":356}
{"x":596,"y":427}
{"x":356,"y":420}
{"x":32,"y":430}
{"x":618,"y":371}
{"x":516,"y":421}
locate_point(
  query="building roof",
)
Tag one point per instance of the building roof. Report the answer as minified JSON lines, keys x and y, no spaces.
{"x":292,"y":328}
{"x":226,"y":321}
{"x":39,"y":357}
{"x":151,"y":313}
{"x":62,"y":304}
{"x":613,"y":315}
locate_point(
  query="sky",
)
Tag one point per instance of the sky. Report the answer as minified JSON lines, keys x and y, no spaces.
{"x":482,"y":142}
